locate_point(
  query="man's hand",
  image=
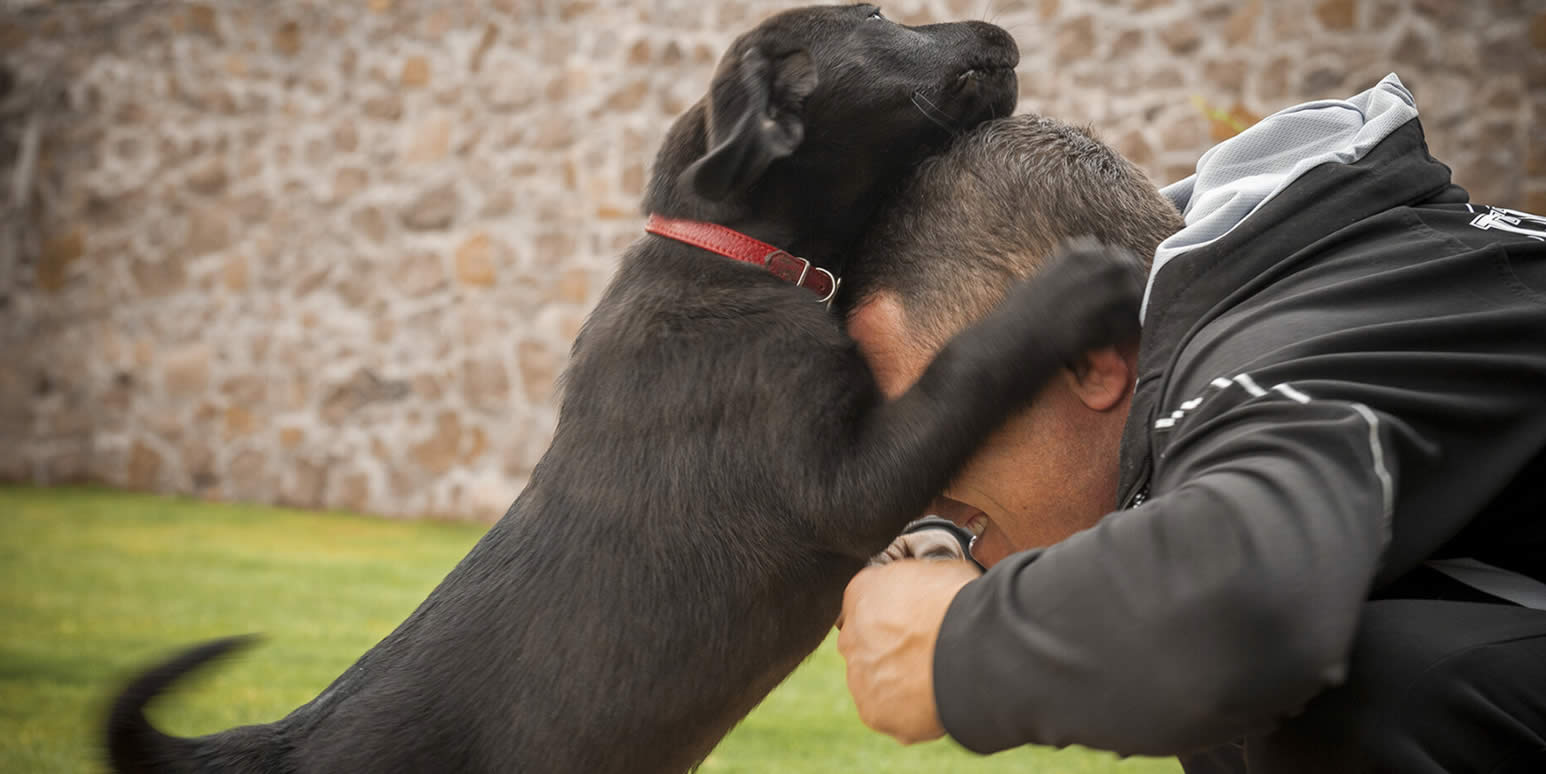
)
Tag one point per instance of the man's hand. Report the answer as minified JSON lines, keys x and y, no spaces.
{"x":890,"y":621}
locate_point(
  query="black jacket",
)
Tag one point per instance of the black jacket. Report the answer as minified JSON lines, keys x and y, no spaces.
{"x":1351,"y":382}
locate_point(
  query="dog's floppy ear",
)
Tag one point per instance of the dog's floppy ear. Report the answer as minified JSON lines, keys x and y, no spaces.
{"x":756,"y":116}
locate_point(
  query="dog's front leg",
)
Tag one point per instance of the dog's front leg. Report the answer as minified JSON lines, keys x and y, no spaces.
{"x":906,"y":450}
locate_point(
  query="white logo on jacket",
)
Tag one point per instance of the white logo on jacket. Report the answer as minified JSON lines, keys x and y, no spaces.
{"x":1510,"y":221}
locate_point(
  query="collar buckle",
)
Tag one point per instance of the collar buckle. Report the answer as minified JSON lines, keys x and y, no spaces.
{"x":800,"y":271}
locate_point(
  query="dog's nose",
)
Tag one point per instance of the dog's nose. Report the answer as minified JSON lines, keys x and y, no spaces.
{"x":998,"y":41}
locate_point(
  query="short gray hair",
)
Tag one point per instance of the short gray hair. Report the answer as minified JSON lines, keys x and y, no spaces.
{"x":991,"y":208}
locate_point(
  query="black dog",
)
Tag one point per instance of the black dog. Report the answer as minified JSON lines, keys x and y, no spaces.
{"x":723,"y":462}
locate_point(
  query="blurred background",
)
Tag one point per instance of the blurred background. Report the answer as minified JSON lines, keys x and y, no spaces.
{"x":332,"y":253}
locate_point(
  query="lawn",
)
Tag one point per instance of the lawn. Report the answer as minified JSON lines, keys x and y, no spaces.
{"x":94,"y":584}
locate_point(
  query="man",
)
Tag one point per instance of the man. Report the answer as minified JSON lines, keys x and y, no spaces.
{"x":1327,"y":456}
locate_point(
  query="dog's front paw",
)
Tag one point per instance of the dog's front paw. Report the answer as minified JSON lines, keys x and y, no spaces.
{"x":1088,"y":295}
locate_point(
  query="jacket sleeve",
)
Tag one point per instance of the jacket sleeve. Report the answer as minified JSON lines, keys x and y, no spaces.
{"x":1218,"y":606}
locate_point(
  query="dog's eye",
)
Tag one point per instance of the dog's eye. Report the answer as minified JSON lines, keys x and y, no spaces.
{"x":875,"y":15}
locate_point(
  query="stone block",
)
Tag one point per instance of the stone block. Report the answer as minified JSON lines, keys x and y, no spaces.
{"x":438,"y":453}
{"x":1337,"y":14}
{"x":1535,"y":201}
{"x":386,"y":107}
{"x":1181,"y":36}
{"x":485,"y":384}
{"x":554,"y":247}
{"x":539,"y":371}
{"x":1183,"y":131}
{"x":290,"y":438}
{"x":349,"y":492}
{"x":248,"y":476}
{"x":476,"y":445}
{"x":156,"y":279}
{"x":1226,"y":125}
{"x":58,"y":253}
{"x":498,"y":204}
{"x":304,"y":485}
{"x":627,"y":98}
{"x":639,"y":54}
{"x":415,"y":73}
{"x":287,"y":38}
{"x":144,"y":467}
{"x":209,"y":179}
{"x":475,"y":261}
{"x":1535,"y":159}
{"x":1228,"y":74}
{"x":573,"y":287}
{"x":485,"y":43}
{"x":16,"y":468}
{"x":234,"y":274}
{"x":362,"y":388}
{"x":251,"y":207}
{"x":209,"y":230}
{"x":1076,"y":39}
{"x":239,"y":422}
{"x":348,"y":181}
{"x":1135,"y":148}
{"x":370,"y":223}
{"x":427,"y":386}
{"x":418,"y":274}
{"x":68,"y":465}
{"x":430,"y":141}
{"x":198,"y":464}
{"x":346,"y":137}
{"x":672,"y":54}
{"x":247,"y":389}
{"x":185,"y":372}
{"x":1241,"y":27}
{"x":432,"y":210}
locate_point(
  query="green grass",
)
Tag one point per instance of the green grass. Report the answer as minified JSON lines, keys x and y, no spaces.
{"x":94,"y":584}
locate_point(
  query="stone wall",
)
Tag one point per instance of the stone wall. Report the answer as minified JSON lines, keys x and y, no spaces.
{"x":332,"y":252}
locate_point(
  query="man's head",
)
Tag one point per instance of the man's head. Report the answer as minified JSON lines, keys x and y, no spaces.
{"x":969,"y":224}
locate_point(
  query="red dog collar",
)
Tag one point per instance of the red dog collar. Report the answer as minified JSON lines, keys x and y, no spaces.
{"x":733,"y":244}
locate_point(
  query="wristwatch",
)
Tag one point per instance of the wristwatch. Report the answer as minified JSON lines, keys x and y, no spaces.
{"x":961,"y":534}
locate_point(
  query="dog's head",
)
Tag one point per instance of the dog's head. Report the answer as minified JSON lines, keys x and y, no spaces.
{"x":832,"y":101}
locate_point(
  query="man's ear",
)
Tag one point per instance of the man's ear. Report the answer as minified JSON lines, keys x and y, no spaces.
{"x":1101,"y":379}
{"x":756,"y":116}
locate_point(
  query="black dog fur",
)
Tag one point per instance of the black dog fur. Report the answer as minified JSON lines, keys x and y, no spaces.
{"x":723,"y":461}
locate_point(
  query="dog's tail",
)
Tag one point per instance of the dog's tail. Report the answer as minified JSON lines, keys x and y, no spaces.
{"x":134,"y":746}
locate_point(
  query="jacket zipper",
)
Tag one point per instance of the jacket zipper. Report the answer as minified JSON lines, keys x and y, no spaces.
{"x":1138,"y":498}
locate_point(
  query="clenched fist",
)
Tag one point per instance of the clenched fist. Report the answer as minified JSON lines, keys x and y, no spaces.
{"x":890,"y":622}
